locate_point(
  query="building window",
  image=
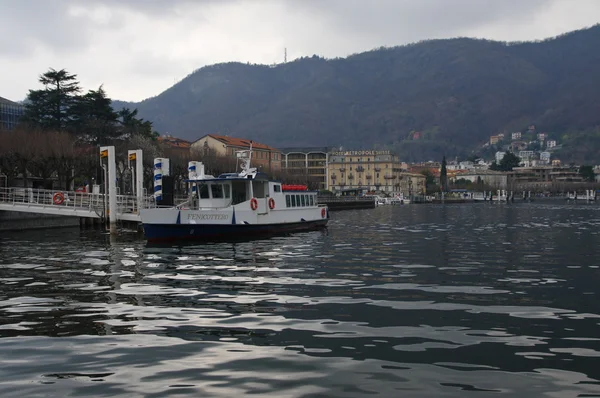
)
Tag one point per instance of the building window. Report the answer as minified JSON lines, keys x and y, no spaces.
{"x":277,"y":188}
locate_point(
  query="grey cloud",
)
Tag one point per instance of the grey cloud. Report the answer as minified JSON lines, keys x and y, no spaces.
{"x":400,"y":21}
{"x":27,"y":24}
{"x":324,"y":27}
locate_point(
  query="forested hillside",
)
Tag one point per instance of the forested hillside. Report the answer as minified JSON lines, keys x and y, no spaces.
{"x":455,"y":92}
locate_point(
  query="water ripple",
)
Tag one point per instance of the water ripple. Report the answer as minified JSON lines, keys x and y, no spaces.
{"x":396,"y":301}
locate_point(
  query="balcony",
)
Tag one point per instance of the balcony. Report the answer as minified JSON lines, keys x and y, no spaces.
{"x":350,"y":177}
{"x":389,"y":177}
{"x":377,"y":168}
{"x":342,"y":169}
{"x":360,"y":169}
{"x":369,"y":177}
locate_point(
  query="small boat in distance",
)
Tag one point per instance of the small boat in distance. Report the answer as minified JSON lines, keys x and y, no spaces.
{"x":235,"y":205}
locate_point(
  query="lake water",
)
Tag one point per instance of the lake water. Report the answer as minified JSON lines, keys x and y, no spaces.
{"x":412,"y":301}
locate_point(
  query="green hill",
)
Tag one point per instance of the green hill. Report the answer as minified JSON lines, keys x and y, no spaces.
{"x":456,"y":92}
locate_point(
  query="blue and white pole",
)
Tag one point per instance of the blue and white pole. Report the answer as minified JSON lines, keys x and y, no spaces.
{"x":161,"y":169}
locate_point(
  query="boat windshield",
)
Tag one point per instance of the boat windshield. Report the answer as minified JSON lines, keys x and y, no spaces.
{"x":214,"y":190}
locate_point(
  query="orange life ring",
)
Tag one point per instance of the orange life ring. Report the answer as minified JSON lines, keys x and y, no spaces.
{"x":271,"y":203}
{"x":323,"y":212}
{"x":58,"y":198}
{"x":253,"y":203}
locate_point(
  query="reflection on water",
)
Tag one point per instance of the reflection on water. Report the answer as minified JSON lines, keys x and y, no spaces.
{"x":397,"y":301}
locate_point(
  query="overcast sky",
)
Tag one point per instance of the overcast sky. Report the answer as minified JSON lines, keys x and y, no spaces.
{"x":139,"y":48}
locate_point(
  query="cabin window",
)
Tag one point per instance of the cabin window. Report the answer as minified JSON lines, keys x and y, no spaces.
{"x":311,"y":198}
{"x":277,"y":188}
{"x":227,"y":191}
{"x":288,"y":201}
{"x":203,"y":191}
{"x":303,"y":200}
{"x":259,"y":188}
{"x":293,"y":200}
{"x":217,"y":191}
{"x":238,"y":192}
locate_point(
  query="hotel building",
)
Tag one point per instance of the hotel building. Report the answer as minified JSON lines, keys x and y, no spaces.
{"x":378,"y":171}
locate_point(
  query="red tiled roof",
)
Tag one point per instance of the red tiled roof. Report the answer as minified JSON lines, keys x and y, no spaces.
{"x":241,"y":142}
{"x":174,"y":142}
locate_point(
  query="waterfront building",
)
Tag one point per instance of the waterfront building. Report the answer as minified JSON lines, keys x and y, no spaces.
{"x":372,"y":171}
{"x":10,"y":113}
{"x":263,"y":156}
{"x":541,"y":177}
{"x":308,"y":164}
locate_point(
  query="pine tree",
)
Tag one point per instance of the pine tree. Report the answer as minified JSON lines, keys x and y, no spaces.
{"x":94,"y":118}
{"x":444,"y":175}
{"x":50,"y":108}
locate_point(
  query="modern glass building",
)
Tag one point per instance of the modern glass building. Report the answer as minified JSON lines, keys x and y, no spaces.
{"x":10,"y":113}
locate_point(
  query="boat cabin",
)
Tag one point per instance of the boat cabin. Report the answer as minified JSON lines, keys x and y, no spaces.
{"x":231,"y":189}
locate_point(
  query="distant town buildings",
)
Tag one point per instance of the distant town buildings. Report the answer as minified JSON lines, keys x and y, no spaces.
{"x":10,"y":113}
{"x":526,"y":155}
{"x":382,"y":171}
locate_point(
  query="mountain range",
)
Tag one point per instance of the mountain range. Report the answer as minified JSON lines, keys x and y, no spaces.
{"x":455,"y":93}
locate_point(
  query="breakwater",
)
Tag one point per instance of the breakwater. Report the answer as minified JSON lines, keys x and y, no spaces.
{"x":347,"y":203}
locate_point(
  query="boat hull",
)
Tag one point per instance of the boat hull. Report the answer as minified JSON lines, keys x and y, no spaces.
{"x":186,"y":232}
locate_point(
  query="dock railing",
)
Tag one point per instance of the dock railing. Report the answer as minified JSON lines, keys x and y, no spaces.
{"x":52,"y":198}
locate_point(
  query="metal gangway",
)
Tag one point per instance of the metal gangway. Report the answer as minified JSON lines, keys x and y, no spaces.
{"x":70,"y":203}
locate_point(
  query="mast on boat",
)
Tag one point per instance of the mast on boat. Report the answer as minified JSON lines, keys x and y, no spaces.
{"x":245,"y":157}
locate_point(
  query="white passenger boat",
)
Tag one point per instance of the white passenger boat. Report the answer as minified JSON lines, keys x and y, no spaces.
{"x":235,"y":205}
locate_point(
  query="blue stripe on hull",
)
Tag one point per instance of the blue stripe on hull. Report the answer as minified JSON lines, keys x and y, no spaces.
{"x":175,"y":232}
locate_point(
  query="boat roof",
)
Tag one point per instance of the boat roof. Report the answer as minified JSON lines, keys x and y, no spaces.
{"x":234,"y":177}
